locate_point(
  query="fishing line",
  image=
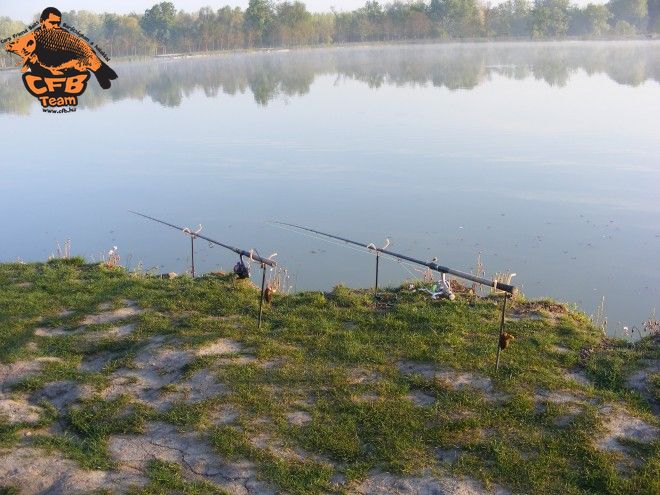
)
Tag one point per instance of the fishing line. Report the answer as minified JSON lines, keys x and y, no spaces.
{"x":433,"y":265}
{"x":345,"y":245}
{"x":196,"y":235}
{"x":323,"y":239}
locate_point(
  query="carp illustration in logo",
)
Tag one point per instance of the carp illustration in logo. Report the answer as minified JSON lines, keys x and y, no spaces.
{"x":56,"y":63}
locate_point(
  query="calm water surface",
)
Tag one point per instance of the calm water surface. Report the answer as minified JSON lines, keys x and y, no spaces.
{"x":543,"y":158}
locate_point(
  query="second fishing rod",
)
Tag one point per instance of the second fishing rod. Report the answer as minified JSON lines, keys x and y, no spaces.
{"x":511,"y":289}
{"x":507,"y":289}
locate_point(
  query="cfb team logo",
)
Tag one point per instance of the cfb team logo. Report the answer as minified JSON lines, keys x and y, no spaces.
{"x":56,"y":63}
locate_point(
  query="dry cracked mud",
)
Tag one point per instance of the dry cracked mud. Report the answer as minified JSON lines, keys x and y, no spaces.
{"x":162,"y":441}
{"x":384,"y":483}
{"x":37,"y":472}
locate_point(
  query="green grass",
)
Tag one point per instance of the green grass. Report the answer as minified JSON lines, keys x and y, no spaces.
{"x":8,"y":433}
{"x":294,"y":476}
{"x":306,"y":358}
{"x":166,"y":478}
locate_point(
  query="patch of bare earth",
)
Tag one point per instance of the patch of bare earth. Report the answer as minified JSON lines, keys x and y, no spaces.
{"x":154,"y":368}
{"x":53,"y":332}
{"x":456,"y":380}
{"x":420,"y":398}
{"x":384,"y":483}
{"x":219,"y":347}
{"x":360,"y":376}
{"x":61,"y":393}
{"x":264,"y":441}
{"x":17,"y":410}
{"x":618,"y":424}
{"x":122,"y":331}
{"x":572,"y":404}
{"x":578,"y":377}
{"x":223,"y":414}
{"x":538,"y":310}
{"x":97,"y":362}
{"x":38,"y":472}
{"x":131,"y":309}
{"x":103,"y":317}
{"x":13,"y":373}
{"x":202,"y":385}
{"x":162,"y":441}
{"x":641,"y":381}
{"x":298,"y":418}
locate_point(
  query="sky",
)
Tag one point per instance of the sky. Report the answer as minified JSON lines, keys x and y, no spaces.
{"x":25,"y":9}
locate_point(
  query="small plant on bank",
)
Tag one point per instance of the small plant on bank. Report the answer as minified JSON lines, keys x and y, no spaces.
{"x":63,"y":250}
{"x":113,"y":257}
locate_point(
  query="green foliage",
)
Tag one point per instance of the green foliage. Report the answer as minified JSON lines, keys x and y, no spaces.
{"x":634,"y":12}
{"x":296,"y":477}
{"x":8,"y":433}
{"x":88,"y":452}
{"x":259,"y":17}
{"x":184,"y":414}
{"x":654,"y":15}
{"x":98,"y":418}
{"x":158,"y":21}
{"x":229,"y":442}
{"x":166,"y":478}
{"x":550,"y":18}
{"x":593,"y":20}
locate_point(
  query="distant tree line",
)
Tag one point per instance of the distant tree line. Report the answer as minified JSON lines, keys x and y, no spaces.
{"x":164,"y":29}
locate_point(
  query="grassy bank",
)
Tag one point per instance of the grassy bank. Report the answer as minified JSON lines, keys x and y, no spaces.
{"x":167,"y":386}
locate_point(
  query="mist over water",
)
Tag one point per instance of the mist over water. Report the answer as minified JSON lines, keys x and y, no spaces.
{"x":542,"y":157}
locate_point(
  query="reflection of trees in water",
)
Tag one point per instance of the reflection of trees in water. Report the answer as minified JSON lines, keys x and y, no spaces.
{"x":14,"y":99}
{"x":270,"y":75}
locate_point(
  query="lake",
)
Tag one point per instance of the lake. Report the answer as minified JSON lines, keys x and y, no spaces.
{"x":541,"y":158}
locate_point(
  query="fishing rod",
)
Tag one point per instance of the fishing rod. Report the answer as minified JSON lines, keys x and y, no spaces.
{"x":429,"y":264}
{"x":244,"y":273}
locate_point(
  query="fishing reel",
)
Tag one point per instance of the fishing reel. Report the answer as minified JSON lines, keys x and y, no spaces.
{"x":441,"y":289}
{"x":445,"y":287}
{"x":242,"y":270}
